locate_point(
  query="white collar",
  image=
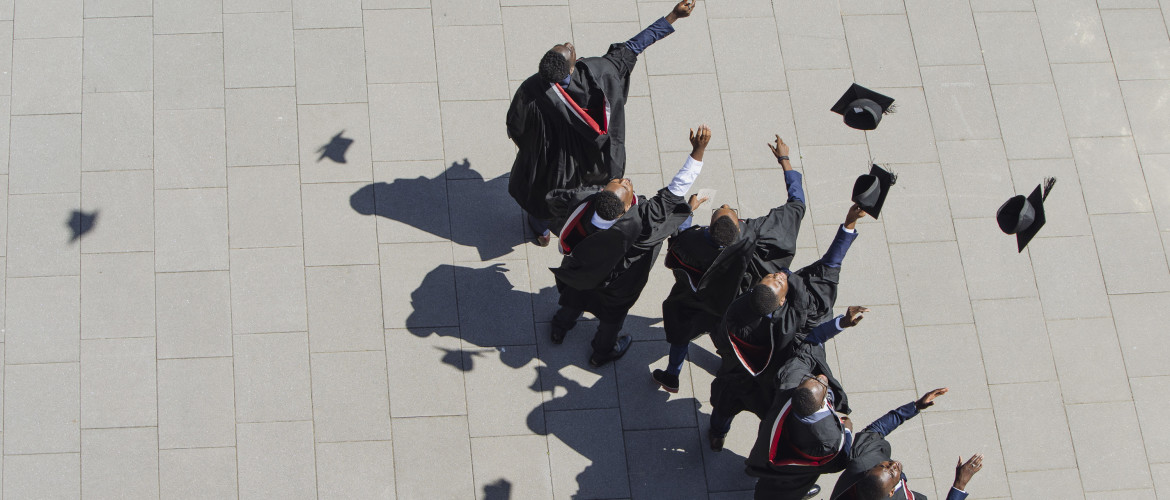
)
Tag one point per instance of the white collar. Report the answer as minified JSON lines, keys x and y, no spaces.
{"x":603,"y":224}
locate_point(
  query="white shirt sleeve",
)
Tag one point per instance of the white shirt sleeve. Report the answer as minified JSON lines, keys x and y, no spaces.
{"x":685,"y":177}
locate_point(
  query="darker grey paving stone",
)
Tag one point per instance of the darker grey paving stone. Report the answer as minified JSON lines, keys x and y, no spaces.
{"x":483,"y":216}
{"x":566,"y":379}
{"x":189,"y":16}
{"x":1096,"y":378}
{"x":277,"y":459}
{"x":1013,"y":48}
{"x":1060,"y":483}
{"x":418,"y":282}
{"x":1098,"y":430}
{"x":1072,"y":31}
{"x":197,"y":473}
{"x":258,"y":50}
{"x":724,"y":469}
{"x":120,"y":463}
{"x":665,"y":463}
{"x":118,"y":54}
{"x":43,"y":476}
{"x":503,"y":396}
{"x":587,"y":454}
{"x":643,"y":404}
{"x":494,"y":305}
{"x":1019,"y":432}
{"x":420,"y":444}
{"x":525,"y":45}
{"x":188,"y":71}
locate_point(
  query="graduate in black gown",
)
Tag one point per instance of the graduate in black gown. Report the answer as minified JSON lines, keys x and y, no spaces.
{"x":714,"y":264}
{"x":568,"y":120}
{"x":759,"y":326}
{"x":610,"y":239}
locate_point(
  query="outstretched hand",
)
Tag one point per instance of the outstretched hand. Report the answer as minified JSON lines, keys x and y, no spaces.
{"x":927,"y":400}
{"x":683,"y":9}
{"x":855,"y":213}
{"x":695,"y":201}
{"x":853,"y":316}
{"x":965,"y":471}
{"x":699,"y":141}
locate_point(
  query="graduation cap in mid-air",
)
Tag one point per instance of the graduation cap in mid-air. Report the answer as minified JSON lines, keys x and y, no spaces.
{"x":870,"y":190}
{"x":1024,"y":216}
{"x":863,"y":108}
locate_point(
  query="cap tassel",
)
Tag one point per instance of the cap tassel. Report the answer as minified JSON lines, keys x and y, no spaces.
{"x":1048,"y":183}
{"x":891,"y":109}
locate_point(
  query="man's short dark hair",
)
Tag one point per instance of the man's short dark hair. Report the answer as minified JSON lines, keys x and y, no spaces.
{"x":554,"y":67}
{"x":804,"y":402}
{"x":608,"y":205}
{"x":764,"y":300}
{"x":871,"y":487}
{"x":724,"y":231}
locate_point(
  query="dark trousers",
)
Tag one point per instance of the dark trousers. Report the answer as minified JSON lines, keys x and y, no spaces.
{"x":607,"y":331}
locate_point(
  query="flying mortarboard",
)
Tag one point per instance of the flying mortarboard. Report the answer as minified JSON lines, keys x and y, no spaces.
{"x":870,"y":190}
{"x":863,"y":108}
{"x":1024,"y":216}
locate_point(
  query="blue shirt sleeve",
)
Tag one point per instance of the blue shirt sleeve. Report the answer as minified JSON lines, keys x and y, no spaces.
{"x":956,"y":494}
{"x":837,"y":249}
{"x":795,"y":186}
{"x":651,"y":34}
{"x":824,"y":331}
{"x":892,"y":419}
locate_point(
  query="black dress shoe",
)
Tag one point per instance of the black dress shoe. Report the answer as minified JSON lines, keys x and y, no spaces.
{"x":812,"y":492}
{"x":558,"y":334}
{"x":715,"y":440}
{"x":619,"y":349}
{"x":668,"y":382}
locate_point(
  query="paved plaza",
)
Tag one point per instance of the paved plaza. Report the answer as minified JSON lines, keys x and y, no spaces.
{"x":200,"y":301}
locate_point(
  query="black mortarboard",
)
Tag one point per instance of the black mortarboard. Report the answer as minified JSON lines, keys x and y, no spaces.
{"x":862,"y":108}
{"x":1024,"y":216}
{"x":870,"y":190}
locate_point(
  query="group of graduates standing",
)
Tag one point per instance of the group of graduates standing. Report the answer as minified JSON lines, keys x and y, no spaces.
{"x":732,"y":278}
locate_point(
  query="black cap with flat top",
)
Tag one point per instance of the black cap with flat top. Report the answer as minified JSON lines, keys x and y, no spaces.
{"x":870,"y":190}
{"x":1024,"y":216}
{"x":862,"y":108}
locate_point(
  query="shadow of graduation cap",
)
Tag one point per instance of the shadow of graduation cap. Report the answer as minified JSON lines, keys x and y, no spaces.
{"x":863,"y":108}
{"x":1024,"y":216}
{"x":870,"y":190}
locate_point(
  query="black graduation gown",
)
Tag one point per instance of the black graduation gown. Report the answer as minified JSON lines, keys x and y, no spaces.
{"x":605,"y":272}
{"x":869,"y":449}
{"x":557,"y":150}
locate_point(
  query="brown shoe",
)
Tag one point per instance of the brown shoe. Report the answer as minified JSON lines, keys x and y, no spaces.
{"x":543,"y":240}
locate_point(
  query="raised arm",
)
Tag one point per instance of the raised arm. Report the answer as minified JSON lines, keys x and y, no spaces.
{"x":892,"y":419}
{"x":792,"y":178}
{"x":829,"y":329}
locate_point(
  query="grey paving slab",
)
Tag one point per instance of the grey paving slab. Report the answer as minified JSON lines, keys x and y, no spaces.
{"x":471,"y":63}
{"x":330,"y":65}
{"x":1014,"y":340}
{"x":415,"y":274}
{"x":464,"y":140}
{"x":567,"y":381}
{"x":1139,"y":345}
{"x":244,"y":6}
{"x":197,"y":473}
{"x":190,"y":149}
{"x":117,"y":295}
{"x":117,"y":131}
{"x":1073,"y":288}
{"x":1149,"y":126}
{"x":193,"y":314}
{"x":495,"y":308}
{"x":1131,"y":254}
{"x":120,"y":463}
{"x":1013,"y":48}
{"x":739,"y":70}
{"x":525,"y":45}
{"x":641,"y":141}
{"x":1088,"y":379}
{"x":395,"y":139}
{"x":759,"y":192}
{"x":196,"y":406}
{"x":339,"y":319}
{"x":717,"y":174}
{"x":39,"y":240}
{"x":34,"y":336}
{"x":667,"y":456}
{"x":190,"y":231}
{"x":753,"y":120}
{"x":907,"y":139}
{"x":350,"y":401}
{"x":868,"y":270}
{"x":1115,"y":159}
{"x":812,"y":35}
{"x":264,"y":206}
{"x":1031,"y":121}
{"x":1064,"y":483}
{"x":47,"y":154}
{"x":604,"y":11}
{"x":410,"y":221}
{"x":511,"y":464}
{"x":485,"y":223}
{"x":944,"y":32}
{"x":260,"y":127}
{"x":326,"y":14}
{"x":319,"y":126}
{"x":1150,"y":405}
{"x":118,"y":8}
{"x":277,"y":459}
{"x":815,"y":123}
{"x":1099,"y":427}
{"x":425,"y":441}
{"x":1129,"y":4}
{"x":1072,"y":31}
{"x":991,"y":263}
{"x":502,"y":399}
{"x":1161,"y":474}
{"x":334,"y":233}
{"x":258,"y":50}
{"x":908,"y":442}
{"x":52,"y":475}
{"x":196,"y":16}
{"x":118,"y":384}
{"x":1157,"y":171}
{"x":948,"y":356}
{"x":1112,"y":495}
{"x":1091,"y":100}
{"x":41,"y":408}
{"x":1069,"y":200}
{"x":268,"y":290}
{"x":465,"y":12}
{"x":643,"y":404}
{"x":889,"y":64}
{"x":400,"y":46}
{"x":272,"y":377}
{"x":930,"y":266}
{"x":827,"y":170}
{"x":46,"y":76}
{"x":874,"y":355}
{"x":859,"y":7}
{"x":118,"y":55}
{"x":5,"y":130}
{"x":188,"y":71}
{"x":49,"y":19}
{"x":1001,"y":6}
{"x":587,"y":454}
{"x":411,"y":364}
{"x":1137,"y":43}
{"x":954,"y":433}
{"x":1018,"y":432}
{"x":688,"y":50}
{"x":123,"y":201}
{"x":355,"y":470}
{"x":921,"y":213}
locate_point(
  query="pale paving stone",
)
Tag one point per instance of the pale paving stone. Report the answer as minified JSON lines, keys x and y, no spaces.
{"x":495,"y":308}
{"x":193,"y":312}
{"x":867,"y":274}
{"x":1096,"y":378}
{"x":529,"y":32}
{"x":350,"y":401}
{"x":861,"y":7}
{"x":874,"y":356}
{"x":592,"y":11}
{"x":423,"y":442}
{"x":334,"y":233}
{"x":641,"y":141}
{"x":400,"y":218}
{"x":959,"y":101}
{"x":245,"y":6}
{"x":1014,"y":340}
{"x":1020,"y":431}
{"x":326,"y":13}
{"x":55,"y":475}
{"x":330,"y":65}
{"x":759,"y":192}
{"x":724,"y":9}
{"x":471,"y":63}
{"x":6,"y":8}
{"x":519,"y":462}
{"x":420,"y":138}
{"x":672,"y":123}
{"x":1067,"y":200}
{"x":193,"y":16}
{"x":118,"y":54}
{"x":339,"y":318}
{"x":41,"y":408}
{"x":258,"y":50}
{"x":643,"y":404}
{"x":948,"y":356}
{"x":908,"y":138}
{"x":5,"y":129}
{"x":196,"y":405}
{"x":924,"y":269}
{"x":416,"y":285}
{"x":587,"y":454}
{"x":47,"y":154}
{"x":318,"y":124}
{"x":1060,"y":483}
{"x":1114,"y":181}
{"x":1157,"y":172}
{"x":1099,"y":430}
{"x":118,"y":383}
{"x":189,"y":149}
{"x":264,"y":206}
{"x":1146,"y":103}
{"x":197,"y":473}
{"x":1137,"y":43}
{"x":277,"y":460}
{"x":991,"y":262}
{"x":118,"y":8}
{"x":355,"y":470}
{"x":124,"y":202}
{"x":753,"y":120}
{"x":46,"y":75}
{"x":1072,"y":31}
{"x":117,"y":131}
{"x":188,"y":71}
{"x":190,"y":231}
{"x":500,"y":399}
{"x":1128,"y":4}
{"x":464,"y":140}
{"x":1131,"y":254}
{"x":953,"y":433}
{"x":1147,"y":396}
{"x":412,"y":363}
{"x":740,"y":70}
{"x":1030,"y":120}
{"x":1141,"y":340}
{"x":262,"y":127}
{"x":268,"y":290}
{"x":1069,"y":278}
{"x":395,"y":4}
{"x":120,"y":463}
{"x":1013,"y":48}
{"x":687,"y":50}
{"x":117,"y":295}
{"x":594,"y":39}
{"x":1147,"y":494}
{"x":1091,"y":100}
{"x":891,"y":63}
{"x":812,"y":35}
{"x":1161,"y":474}
{"x":486,"y":223}
{"x":465,"y":12}
{"x":400,"y":46}
{"x":944,"y":32}
{"x":42,"y":319}
{"x":815,"y":123}
{"x":567,"y":381}
{"x":272,"y":377}
{"x":39,"y":235}
{"x":665,"y":458}
{"x":3,"y":322}
{"x":48,"y":18}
